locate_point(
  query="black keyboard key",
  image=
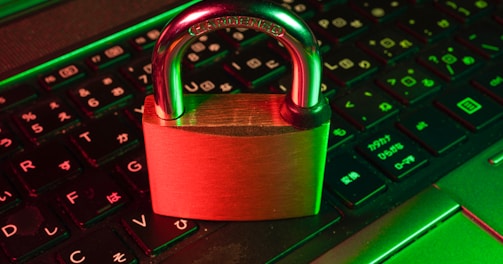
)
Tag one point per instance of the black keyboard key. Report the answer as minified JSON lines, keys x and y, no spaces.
{"x":9,"y":197}
{"x":491,"y":83}
{"x":135,"y":112}
{"x":206,"y":50}
{"x":134,"y":169}
{"x":155,"y":233}
{"x":450,"y":61}
{"x":107,"y":57}
{"x":365,"y":107}
{"x":348,"y":65}
{"x":325,"y":5}
{"x":145,"y":40}
{"x":284,"y":84}
{"x":29,"y":231}
{"x":39,"y":171}
{"x":101,"y":95}
{"x":433,"y":130}
{"x":8,"y":141}
{"x":349,"y":179}
{"x":91,"y":197}
{"x":471,"y":108}
{"x":409,"y":83}
{"x":46,"y":118}
{"x":104,"y":139}
{"x":241,"y":37}
{"x":340,"y":132}
{"x":380,"y":11}
{"x":255,"y":69}
{"x":301,"y":7}
{"x":465,"y":10}
{"x":389,"y":46}
{"x":140,"y":74}
{"x":102,"y":246}
{"x":212,"y":80}
{"x":393,"y":153}
{"x":484,"y":38}
{"x":17,"y":95}
{"x":339,"y":24}
{"x":426,"y":24}
{"x":62,"y":76}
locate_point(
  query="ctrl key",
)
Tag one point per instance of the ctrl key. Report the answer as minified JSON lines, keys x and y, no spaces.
{"x":102,"y":246}
{"x":351,"y":181}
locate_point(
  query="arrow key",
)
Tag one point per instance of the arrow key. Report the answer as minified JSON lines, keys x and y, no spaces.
{"x":153,"y":232}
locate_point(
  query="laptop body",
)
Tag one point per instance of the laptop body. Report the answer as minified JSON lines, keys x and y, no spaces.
{"x":386,"y":216}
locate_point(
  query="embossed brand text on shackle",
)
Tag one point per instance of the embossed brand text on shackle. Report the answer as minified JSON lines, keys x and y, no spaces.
{"x":237,"y":21}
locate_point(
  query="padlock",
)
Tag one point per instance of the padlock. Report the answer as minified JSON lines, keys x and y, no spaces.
{"x":236,"y":156}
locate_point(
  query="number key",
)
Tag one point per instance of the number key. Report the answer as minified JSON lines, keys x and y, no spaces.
{"x":46,"y":118}
{"x":101,"y":95}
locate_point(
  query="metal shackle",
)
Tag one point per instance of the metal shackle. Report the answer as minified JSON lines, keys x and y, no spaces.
{"x":304,"y":106}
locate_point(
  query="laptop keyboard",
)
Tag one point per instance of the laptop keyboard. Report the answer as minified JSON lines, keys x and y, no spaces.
{"x":415,"y":88}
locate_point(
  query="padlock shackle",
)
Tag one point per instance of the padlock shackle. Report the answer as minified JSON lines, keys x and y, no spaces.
{"x":207,"y":16}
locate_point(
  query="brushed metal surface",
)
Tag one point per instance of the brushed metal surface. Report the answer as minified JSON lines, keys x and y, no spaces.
{"x":262,"y":168}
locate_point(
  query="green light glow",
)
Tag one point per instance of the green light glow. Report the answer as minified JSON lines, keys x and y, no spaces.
{"x":416,"y":234}
{"x":147,"y":24}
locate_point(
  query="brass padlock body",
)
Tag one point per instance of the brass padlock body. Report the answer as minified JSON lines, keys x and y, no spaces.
{"x":236,"y":156}
{"x":232,"y":157}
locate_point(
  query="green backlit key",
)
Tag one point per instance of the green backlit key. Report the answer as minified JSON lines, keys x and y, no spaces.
{"x":348,"y":65}
{"x":428,"y":126}
{"x":484,"y":38}
{"x":205,"y":50}
{"x":450,"y":61}
{"x":340,"y":24}
{"x":491,"y":83}
{"x":380,"y":11}
{"x":349,"y":179}
{"x":471,"y":108}
{"x":465,"y":10}
{"x":393,"y":153}
{"x":427,"y":28}
{"x":389,"y":46}
{"x":365,"y":107}
{"x":255,"y":69}
{"x":409,"y":83}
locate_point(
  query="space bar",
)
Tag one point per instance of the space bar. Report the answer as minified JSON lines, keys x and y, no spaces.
{"x":394,"y":230}
{"x":256,"y":242}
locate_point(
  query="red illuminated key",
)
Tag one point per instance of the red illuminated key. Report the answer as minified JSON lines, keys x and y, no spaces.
{"x":104,"y":139}
{"x":102,"y":246}
{"x":44,"y":167}
{"x":46,"y":118}
{"x":29,"y":231}
{"x":153,"y":232}
{"x":92,"y":197}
